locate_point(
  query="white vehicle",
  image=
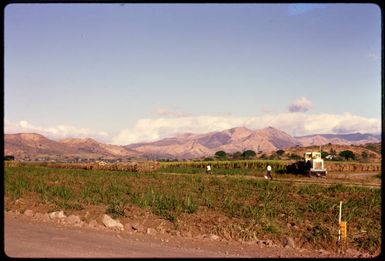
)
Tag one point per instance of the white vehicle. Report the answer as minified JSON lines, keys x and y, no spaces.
{"x":314,"y":164}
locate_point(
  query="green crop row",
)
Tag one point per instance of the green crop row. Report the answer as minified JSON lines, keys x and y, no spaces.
{"x":277,"y":165}
{"x":142,"y":166}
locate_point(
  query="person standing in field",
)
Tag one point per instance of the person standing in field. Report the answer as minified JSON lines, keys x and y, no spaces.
{"x":308,"y":167}
{"x":268,"y":173}
{"x":208,"y":169}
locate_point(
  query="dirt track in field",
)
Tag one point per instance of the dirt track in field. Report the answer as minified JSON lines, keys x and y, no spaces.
{"x":348,"y":179}
{"x":24,"y":237}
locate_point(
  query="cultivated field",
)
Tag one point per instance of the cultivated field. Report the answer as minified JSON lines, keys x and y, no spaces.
{"x":229,"y":206}
{"x":238,"y":167}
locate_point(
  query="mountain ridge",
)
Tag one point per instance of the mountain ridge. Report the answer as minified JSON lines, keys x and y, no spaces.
{"x":181,"y":146}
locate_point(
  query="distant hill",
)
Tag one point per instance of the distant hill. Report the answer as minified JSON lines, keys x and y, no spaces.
{"x":26,"y":145}
{"x":34,"y":146}
{"x":239,"y":139}
{"x":182,"y":146}
{"x":93,"y":147}
{"x":343,"y":139}
{"x":231,"y":140}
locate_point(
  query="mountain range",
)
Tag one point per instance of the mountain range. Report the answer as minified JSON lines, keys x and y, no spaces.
{"x":182,"y":146}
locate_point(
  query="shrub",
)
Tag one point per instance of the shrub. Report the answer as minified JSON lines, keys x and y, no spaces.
{"x":248,"y":154}
{"x":237,"y":155}
{"x":347,"y":154}
{"x":324,"y":154}
{"x":220,"y":154}
{"x":295,"y":157}
{"x":9,"y":157}
{"x":280,"y":152}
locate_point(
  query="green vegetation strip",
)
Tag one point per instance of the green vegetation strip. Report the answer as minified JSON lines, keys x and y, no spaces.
{"x":256,"y":208}
{"x":277,"y":165}
{"x":247,"y":167}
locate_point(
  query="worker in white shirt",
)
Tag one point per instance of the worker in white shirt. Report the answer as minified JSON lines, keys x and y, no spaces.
{"x":208,"y":170}
{"x":268,"y":174}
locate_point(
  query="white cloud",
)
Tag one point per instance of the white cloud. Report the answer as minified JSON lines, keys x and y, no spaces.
{"x":296,"y":124}
{"x":154,"y":129}
{"x":146,"y":130}
{"x":300,"y":105}
{"x":57,"y":132}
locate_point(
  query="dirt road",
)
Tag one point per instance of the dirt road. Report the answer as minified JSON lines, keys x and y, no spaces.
{"x":26,"y":238}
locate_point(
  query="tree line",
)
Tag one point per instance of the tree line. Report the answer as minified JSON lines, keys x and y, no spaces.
{"x":279,"y":154}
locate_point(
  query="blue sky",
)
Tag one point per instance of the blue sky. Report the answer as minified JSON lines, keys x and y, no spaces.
{"x":141,"y":72}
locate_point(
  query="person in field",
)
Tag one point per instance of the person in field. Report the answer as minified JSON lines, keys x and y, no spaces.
{"x":268,"y":173}
{"x":208,"y":169}
{"x":308,"y":167}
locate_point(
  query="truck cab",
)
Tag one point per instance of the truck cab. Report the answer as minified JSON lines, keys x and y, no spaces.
{"x":315,"y":164}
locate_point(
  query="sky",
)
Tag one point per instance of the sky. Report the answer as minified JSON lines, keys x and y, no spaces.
{"x":127,"y":73}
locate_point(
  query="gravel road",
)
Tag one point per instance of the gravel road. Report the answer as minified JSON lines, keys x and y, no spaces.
{"x":26,"y":238}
